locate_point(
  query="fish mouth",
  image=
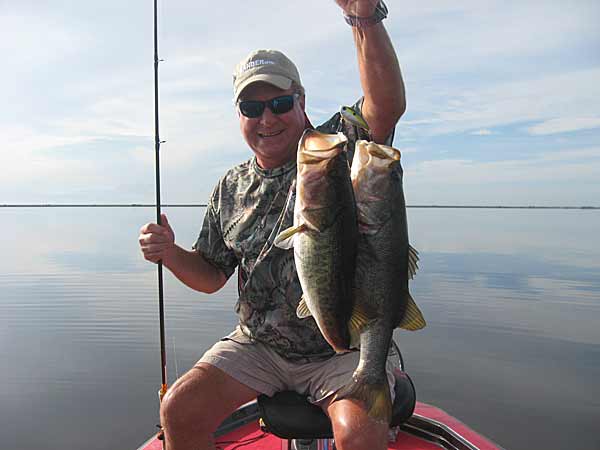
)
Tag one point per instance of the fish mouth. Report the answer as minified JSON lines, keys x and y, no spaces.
{"x":370,"y":157}
{"x":315,"y":147}
{"x":382,"y":151}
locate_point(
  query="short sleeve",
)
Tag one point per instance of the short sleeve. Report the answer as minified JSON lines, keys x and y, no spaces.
{"x":210,"y":242}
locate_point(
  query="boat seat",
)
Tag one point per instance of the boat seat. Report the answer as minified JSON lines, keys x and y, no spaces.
{"x":289,"y":415}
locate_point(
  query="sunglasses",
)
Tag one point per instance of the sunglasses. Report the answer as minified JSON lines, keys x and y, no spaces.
{"x":277,"y":105}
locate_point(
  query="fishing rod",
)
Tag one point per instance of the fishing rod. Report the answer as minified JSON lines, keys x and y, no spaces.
{"x":157,"y":142}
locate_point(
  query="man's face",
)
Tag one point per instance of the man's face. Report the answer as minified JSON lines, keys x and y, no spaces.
{"x":273,"y":137}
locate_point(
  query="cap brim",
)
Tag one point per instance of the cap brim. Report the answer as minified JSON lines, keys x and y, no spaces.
{"x":278,"y":81}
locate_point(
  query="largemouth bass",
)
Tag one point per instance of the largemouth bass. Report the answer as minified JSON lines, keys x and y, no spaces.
{"x":324,"y":234}
{"x":385,"y":262}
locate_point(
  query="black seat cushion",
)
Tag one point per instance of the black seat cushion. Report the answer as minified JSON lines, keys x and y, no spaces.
{"x":290,"y":415}
{"x":405,"y":398}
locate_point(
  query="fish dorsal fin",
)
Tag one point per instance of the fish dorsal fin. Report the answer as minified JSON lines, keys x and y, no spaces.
{"x":413,"y":259}
{"x":358,"y":321}
{"x":413,"y":319}
{"x":302,"y":311}
{"x":285,"y":239}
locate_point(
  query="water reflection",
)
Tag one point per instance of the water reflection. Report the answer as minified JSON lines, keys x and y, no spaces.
{"x":511,"y":299}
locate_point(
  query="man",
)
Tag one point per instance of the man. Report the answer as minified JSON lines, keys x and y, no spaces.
{"x":272,"y":349}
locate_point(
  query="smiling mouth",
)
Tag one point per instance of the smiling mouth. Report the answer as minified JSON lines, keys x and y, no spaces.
{"x":268,"y":135}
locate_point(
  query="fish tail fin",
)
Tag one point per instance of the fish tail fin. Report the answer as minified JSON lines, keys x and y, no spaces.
{"x":413,"y":319}
{"x":376,"y":397}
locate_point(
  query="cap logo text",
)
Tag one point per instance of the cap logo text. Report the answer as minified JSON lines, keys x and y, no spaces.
{"x":258,"y":62}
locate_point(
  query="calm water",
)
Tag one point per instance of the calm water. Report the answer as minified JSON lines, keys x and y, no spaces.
{"x":512,"y":298}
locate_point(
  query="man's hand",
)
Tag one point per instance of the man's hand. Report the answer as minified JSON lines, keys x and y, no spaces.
{"x":189,"y":266}
{"x":360,"y":8}
{"x":156,"y":241}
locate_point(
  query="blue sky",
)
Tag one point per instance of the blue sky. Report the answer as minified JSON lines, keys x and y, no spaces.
{"x":503,"y":96}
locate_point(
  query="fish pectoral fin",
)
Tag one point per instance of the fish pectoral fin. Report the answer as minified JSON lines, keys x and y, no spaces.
{"x":285,"y":239}
{"x":413,"y":260}
{"x":302,"y":310}
{"x":358,"y":321}
{"x":413,"y":319}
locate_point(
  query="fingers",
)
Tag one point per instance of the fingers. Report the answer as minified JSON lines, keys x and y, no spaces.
{"x":154,"y":253}
{"x":165,"y":222}
{"x":153,"y":228}
{"x":152,"y":239}
{"x":156,"y":240}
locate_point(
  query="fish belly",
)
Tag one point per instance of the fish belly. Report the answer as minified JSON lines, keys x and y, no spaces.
{"x":325,"y":264}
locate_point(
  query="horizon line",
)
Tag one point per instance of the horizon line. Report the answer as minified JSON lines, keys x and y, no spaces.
{"x":203,"y":205}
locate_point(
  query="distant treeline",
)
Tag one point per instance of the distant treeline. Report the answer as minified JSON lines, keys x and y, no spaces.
{"x":99,"y":205}
{"x":203,"y":205}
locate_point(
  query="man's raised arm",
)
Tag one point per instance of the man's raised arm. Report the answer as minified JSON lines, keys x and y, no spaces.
{"x":380,"y":75}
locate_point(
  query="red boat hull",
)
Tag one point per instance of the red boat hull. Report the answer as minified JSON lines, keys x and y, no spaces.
{"x":429,"y":428}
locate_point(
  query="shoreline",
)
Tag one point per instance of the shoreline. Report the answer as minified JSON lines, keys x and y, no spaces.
{"x":203,"y":205}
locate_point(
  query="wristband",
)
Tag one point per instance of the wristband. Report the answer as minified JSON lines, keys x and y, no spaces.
{"x":378,"y":15}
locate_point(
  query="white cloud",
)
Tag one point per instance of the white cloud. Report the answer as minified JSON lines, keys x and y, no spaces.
{"x":508,"y":103}
{"x":26,"y":156}
{"x":96,"y":83}
{"x":571,"y":155}
{"x":567,"y":177}
{"x":551,"y":166}
{"x":28,"y":38}
{"x":144,"y":155}
{"x":497,"y":30}
{"x":404,"y":150}
{"x":564,"y":125}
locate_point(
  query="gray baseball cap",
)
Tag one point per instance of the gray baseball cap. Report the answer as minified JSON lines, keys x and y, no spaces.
{"x":270,"y":66}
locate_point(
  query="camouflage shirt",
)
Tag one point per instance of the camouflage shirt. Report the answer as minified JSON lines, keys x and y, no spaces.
{"x":247,"y":210}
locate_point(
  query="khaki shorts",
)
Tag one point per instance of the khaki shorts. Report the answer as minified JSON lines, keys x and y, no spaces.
{"x":262,"y":369}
